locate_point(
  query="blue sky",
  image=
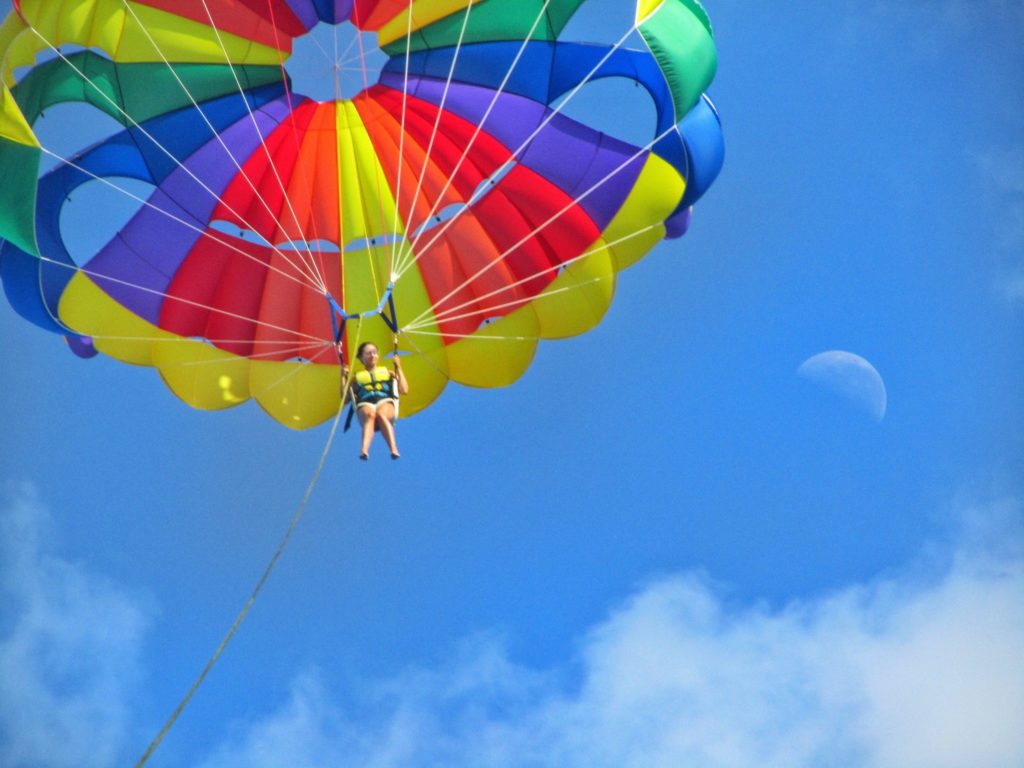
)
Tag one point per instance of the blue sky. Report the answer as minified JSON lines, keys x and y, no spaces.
{"x":738,"y":568}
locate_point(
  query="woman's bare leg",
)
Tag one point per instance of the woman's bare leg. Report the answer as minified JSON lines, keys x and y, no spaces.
{"x":385,"y":413}
{"x":366,"y":419}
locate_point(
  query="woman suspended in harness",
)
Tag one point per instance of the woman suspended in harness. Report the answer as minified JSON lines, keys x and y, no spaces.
{"x":375,"y":392}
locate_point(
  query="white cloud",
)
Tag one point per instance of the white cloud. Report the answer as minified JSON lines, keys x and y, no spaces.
{"x":69,"y":650}
{"x":918,"y":670}
{"x":426,"y":716}
{"x":1005,"y":168}
{"x":1013,"y":287}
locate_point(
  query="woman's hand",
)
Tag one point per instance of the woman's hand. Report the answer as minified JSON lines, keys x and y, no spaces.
{"x":403,"y":385}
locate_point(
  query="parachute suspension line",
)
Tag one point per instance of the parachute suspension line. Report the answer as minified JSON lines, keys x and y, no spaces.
{"x":283,"y":347}
{"x":327,"y":56}
{"x":519,"y":150}
{"x":437,"y":120}
{"x":347,"y":371}
{"x":85,"y":78}
{"x":480,"y":125}
{"x":346,"y":56}
{"x":107,"y":278}
{"x":554,"y":217}
{"x":362,"y":49}
{"x":488,"y":337}
{"x":296,"y":517}
{"x":370,"y":255}
{"x":58,"y":321}
{"x":202,"y":232}
{"x":291,"y":371}
{"x":385,"y":309}
{"x":295,"y":131}
{"x":519,"y":302}
{"x":401,"y":142}
{"x":450,"y":313}
{"x":429,"y":360}
{"x":321,"y":347}
{"x":336,"y":67}
{"x":282,"y":344}
{"x":349,"y":64}
{"x":339,"y":320}
{"x":299,"y":229}
{"x":216,"y":135}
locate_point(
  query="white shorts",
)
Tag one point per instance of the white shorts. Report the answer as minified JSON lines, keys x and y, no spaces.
{"x":373,"y":406}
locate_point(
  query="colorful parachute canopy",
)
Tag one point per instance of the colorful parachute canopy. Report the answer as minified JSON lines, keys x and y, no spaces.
{"x":451,"y":199}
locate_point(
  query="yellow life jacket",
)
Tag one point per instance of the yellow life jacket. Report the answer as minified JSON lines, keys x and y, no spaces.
{"x":373,"y":386}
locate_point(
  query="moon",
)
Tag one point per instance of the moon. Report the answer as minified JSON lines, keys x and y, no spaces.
{"x":850,"y":376}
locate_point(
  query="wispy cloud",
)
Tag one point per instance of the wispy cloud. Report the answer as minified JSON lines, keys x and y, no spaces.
{"x":921,"y":669}
{"x":929,"y":27}
{"x":933,"y":33}
{"x":69,"y":650}
{"x":1002,"y":170}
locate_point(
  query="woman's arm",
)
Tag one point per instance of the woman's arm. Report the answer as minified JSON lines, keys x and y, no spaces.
{"x":347,"y":384}
{"x":399,"y":376}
